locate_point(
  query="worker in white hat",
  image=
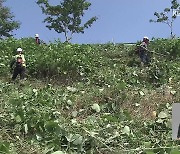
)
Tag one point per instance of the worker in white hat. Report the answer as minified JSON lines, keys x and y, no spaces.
{"x":37,"y":38}
{"x":20,"y":64}
{"x":143,"y":51}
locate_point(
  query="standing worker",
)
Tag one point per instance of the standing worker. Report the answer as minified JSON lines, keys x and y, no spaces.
{"x":143,"y":51}
{"x":37,"y":39}
{"x":20,"y":65}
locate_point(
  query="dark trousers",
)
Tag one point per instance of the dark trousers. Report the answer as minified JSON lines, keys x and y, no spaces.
{"x":19,"y":70}
{"x":144,"y":57}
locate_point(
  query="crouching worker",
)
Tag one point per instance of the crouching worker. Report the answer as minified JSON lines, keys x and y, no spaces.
{"x":19,"y":65}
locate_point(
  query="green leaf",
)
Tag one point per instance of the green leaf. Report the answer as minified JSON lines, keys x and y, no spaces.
{"x":160,"y":121}
{"x":18,"y":118}
{"x":4,"y":147}
{"x":69,"y":102}
{"x":71,"y":89}
{"x":26,"y":128}
{"x":150,"y":152}
{"x":38,"y":137}
{"x":147,"y":144}
{"x":78,"y":139}
{"x":74,"y":114}
{"x":175,"y":151}
{"x":51,"y":126}
{"x":35,"y":91}
{"x":73,"y":121}
{"x":162,"y":115}
{"x":58,"y":152}
{"x":126,"y":130}
{"x":137,"y":104}
{"x":111,"y":118}
{"x":69,"y":137}
{"x":93,"y":133}
{"x":173,"y":92}
{"x":141,"y":93}
{"x":96,"y":107}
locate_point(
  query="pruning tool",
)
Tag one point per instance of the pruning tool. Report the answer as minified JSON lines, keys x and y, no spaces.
{"x":151,"y":51}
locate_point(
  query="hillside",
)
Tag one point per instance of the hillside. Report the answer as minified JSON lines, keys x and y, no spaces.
{"x":94,"y":99}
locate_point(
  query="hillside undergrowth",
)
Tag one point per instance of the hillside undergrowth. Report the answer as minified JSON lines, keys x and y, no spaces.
{"x":89,"y":99}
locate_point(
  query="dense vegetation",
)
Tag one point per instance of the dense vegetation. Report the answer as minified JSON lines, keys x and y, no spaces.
{"x":89,"y":98}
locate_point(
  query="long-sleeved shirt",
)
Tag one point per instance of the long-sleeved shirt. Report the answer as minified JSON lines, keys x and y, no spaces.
{"x":143,"y":46}
{"x":19,"y":59}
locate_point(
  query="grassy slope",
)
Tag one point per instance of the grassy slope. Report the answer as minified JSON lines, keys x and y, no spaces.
{"x":58,"y":115}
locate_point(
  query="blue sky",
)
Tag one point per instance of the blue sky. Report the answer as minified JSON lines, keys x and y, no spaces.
{"x":118,"y":21}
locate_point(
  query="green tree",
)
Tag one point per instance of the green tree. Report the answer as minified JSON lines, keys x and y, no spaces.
{"x":66,"y":17}
{"x":168,"y":16}
{"x":7,"y":24}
